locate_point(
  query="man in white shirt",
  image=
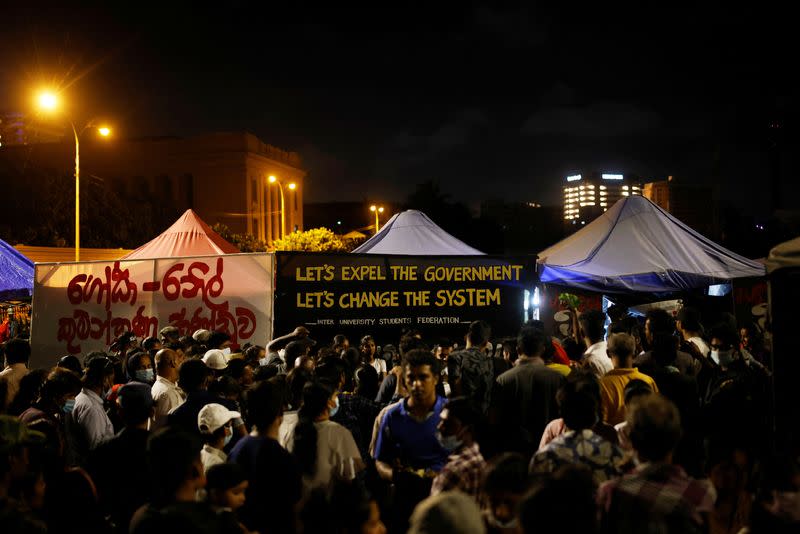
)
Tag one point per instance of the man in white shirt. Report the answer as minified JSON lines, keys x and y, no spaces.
{"x":214,"y":423}
{"x":595,"y":358}
{"x":18,"y":352}
{"x":88,"y":425}
{"x":166,"y":393}
{"x":689,"y":326}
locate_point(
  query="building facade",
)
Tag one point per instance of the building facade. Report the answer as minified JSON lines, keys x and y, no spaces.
{"x":224,"y":177}
{"x":694,"y":205}
{"x":587,"y":195}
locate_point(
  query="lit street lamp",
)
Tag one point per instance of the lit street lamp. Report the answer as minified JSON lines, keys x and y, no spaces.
{"x":377,"y":210}
{"x":48,"y":101}
{"x":291,"y":186}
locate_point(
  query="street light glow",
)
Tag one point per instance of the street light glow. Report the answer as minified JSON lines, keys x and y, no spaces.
{"x":380,"y":210}
{"x":48,"y":100}
{"x":372,"y":208}
{"x":292,"y":186}
{"x":104,"y":131}
{"x":272,"y":179}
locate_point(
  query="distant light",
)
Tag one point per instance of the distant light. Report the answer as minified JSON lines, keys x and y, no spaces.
{"x":583,"y":222}
{"x":292,"y":186}
{"x":574,"y":178}
{"x":372,"y":208}
{"x":338,"y":222}
{"x":48,"y":100}
{"x":272,"y":179}
{"x":380,"y":210}
{"x":612,"y":177}
{"x":104,"y":131}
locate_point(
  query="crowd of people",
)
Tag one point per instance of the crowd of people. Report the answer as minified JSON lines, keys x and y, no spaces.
{"x":656,"y":425}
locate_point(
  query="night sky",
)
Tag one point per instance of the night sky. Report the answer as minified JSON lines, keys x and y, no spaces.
{"x":490,"y":102}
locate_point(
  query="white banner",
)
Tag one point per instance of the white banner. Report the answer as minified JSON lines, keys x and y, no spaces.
{"x":81,"y":307}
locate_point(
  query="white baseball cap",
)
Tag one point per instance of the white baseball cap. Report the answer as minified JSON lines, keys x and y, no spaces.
{"x":201,"y":335}
{"x":215,"y":359}
{"x":214,"y":416}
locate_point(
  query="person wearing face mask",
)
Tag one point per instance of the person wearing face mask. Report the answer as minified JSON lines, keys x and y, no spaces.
{"x":120,"y":501}
{"x":456,"y":433}
{"x":214,"y":424}
{"x":324,"y":450}
{"x":56,"y":401}
{"x":140,"y":368}
{"x":88,"y":424}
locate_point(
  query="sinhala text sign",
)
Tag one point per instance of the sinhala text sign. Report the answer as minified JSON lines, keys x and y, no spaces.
{"x":81,"y":307}
{"x":356,"y":294}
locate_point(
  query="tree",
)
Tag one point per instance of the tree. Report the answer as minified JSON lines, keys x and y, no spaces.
{"x":314,"y":240}
{"x":244,"y":242}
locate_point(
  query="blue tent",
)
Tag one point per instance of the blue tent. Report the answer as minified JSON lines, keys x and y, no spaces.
{"x":16,"y":273}
{"x":412,"y":232}
{"x":638,"y":247}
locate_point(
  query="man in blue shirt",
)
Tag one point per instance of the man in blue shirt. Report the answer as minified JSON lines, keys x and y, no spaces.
{"x":407,"y":451}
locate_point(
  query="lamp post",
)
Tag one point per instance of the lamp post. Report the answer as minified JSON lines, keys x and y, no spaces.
{"x":48,"y":101}
{"x":292,"y":186}
{"x":377,"y":210}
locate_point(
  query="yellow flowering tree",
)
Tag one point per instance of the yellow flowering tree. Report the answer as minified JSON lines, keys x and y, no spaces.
{"x":314,"y":240}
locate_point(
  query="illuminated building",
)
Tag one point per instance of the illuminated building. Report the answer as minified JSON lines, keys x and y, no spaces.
{"x":588,"y":194}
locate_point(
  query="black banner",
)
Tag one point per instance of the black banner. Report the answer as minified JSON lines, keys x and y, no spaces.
{"x":358,"y":294}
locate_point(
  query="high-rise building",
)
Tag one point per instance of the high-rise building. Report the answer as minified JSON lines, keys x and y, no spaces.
{"x":588,"y":195}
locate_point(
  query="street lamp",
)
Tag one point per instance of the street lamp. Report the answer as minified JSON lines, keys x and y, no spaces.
{"x":291,"y":186}
{"x":377,"y":210}
{"x":48,"y":101}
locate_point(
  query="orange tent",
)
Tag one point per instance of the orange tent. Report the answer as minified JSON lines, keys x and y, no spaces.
{"x":189,"y":236}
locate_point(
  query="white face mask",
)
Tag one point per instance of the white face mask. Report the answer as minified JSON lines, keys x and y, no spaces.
{"x":722,"y":357}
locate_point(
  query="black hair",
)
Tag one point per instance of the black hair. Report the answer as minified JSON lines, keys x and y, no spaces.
{"x":235,"y":368}
{"x":315,"y":401}
{"x":72,"y":363}
{"x":17,"y":351}
{"x":293,"y":350}
{"x":634,"y":389}
{"x":350,"y":506}
{"x":339,"y":340}
{"x":295,"y":382}
{"x":330,"y":370}
{"x":222,"y":477}
{"x":409,"y":343}
{"x":253,"y":353}
{"x":479,"y":333}
{"x":367,"y":382}
{"x":352,"y":356}
{"x":661,"y":322}
{"x":420,"y":357}
{"x":725,"y":333}
{"x":573,"y":349}
{"x":172,"y":454}
{"x":461,"y":408}
{"x":133,"y":415}
{"x":174,"y":345}
{"x":592,"y":322}
{"x":265,"y":372}
{"x":531,"y":341}
{"x":30,"y":387}
{"x":263,"y":403}
{"x":59,"y":383}
{"x":579,"y":400}
{"x":690,"y":320}
{"x":506,"y":472}
{"x":96,"y":371}
{"x":217,"y":338}
{"x":510,"y":345}
{"x":149,"y":343}
{"x":192,"y":375}
{"x":225,"y":386}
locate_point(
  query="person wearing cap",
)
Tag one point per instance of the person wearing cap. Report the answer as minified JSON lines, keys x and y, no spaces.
{"x":88,"y":425}
{"x":201,"y":336}
{"x":214,"y":423}
{"x":18,"y":352}
{"x":169,"y":334}
{"x":193,"y":378}
{"x":120,"y":501}
{"x":216,"y":361}
{"x":166,"y":393}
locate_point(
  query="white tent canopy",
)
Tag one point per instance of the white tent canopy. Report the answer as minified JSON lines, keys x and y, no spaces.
{"x":412,"y":232}
{"x":638,"y":247}
{"x":787,"y":254}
